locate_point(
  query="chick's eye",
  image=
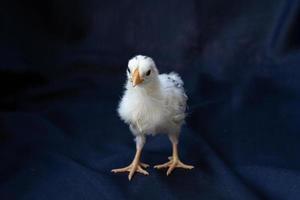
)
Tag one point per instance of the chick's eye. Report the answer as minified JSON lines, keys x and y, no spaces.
{"x":128,"y":70}
{"x":148,"y":73}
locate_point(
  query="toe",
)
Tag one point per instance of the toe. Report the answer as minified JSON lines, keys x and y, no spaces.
{"x":131,"y":174}
{"x":124,"y":169}
{"x":132,"y":170}
{"x":165,"y":165}
{"x":171,"y":168}
{"x":182,"y":165}
{"x":144,"y":165}
{"x":142,"y":171}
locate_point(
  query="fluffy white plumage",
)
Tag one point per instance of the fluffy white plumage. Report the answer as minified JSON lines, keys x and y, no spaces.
{"x":155,"y":106}
{"x":152,"y":103}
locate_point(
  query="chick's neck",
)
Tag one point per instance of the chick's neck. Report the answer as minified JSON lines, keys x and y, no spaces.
{"x":152,"y":88}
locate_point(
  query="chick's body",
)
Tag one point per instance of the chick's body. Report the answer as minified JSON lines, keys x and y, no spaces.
{"x":152,"y":103}
{"x":160,"y":109}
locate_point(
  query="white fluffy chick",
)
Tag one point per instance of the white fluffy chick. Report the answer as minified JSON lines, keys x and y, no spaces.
{"x":152,"y":103}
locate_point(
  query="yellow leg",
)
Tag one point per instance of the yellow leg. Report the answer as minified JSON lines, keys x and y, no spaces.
{"x":135,"y":166}
{"x":174,"y":161}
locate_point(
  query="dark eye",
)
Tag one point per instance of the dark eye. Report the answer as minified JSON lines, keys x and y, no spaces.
{"x":148,"y":73}
{"x":128,"y":70}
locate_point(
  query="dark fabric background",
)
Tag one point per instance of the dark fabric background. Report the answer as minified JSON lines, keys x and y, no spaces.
{"x":62,"y":70}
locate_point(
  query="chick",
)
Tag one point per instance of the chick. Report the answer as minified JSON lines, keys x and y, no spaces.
{"x":152,"y":103}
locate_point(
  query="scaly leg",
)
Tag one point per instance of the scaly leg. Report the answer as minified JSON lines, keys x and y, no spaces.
{"x":174,"y":160}
{"x":136,"y":165}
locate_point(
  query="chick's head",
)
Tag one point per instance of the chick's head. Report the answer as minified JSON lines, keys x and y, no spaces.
{"x":141,"y":70}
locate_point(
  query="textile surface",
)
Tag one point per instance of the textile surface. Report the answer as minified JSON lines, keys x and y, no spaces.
{"x":62,"y":71}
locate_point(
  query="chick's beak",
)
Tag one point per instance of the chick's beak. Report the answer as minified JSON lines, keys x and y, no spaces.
{"x":136,"y":78}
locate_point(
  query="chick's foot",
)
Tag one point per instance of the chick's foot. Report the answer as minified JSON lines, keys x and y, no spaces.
{"x":132,"y":168}
{"x":172,"y":164}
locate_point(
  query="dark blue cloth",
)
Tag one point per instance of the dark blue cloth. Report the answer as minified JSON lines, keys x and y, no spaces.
{"x":62,"y":70}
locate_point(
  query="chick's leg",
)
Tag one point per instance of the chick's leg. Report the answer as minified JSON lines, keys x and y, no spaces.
{"x":136,"y":165}
{"x":174,"y":160}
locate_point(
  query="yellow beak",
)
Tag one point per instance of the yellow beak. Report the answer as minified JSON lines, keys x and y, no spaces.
{"x":136,"y":78}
